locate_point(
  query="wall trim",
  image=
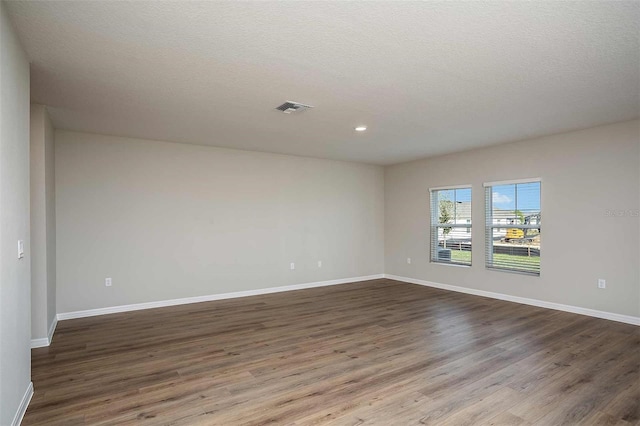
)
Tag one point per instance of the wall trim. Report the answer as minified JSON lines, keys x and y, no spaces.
{"x":24,"y":404}
{"x":525,"y":301}
{"x":45,"y":341}
{"x":512,"y":181}
{"x":52,"y":328}
{"x":211,"y":297}
{"x":40,"y":343}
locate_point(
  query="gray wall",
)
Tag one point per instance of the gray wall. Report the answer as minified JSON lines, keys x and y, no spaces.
{"x":15,"y":326}
{"x":43,"y":234}
{"x":584,"y":174}
{"x":168,"y":221}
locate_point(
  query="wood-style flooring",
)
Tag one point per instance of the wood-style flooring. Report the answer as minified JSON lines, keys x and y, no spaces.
{"x":377,"y":352}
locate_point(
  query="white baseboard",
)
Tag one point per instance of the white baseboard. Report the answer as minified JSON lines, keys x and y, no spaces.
{"x":45,"y":341}
{"x":26,"y":399}
{"x":40,"y":343}
{"x":52,"y":328}
{"x":526,"y":301}
{"x":209,"y":298}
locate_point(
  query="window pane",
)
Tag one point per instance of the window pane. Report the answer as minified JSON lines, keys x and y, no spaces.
{"x":451,"y":226}
{"x":513,"y":227}
{"x":512,"y":255}
{"x":528,"y":198}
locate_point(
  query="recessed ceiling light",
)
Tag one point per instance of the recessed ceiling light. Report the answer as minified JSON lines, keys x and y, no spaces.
{"x":361,"y":128}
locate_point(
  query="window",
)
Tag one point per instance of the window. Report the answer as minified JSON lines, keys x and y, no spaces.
{"x":513,"y":226}
{"x":451,"y":225}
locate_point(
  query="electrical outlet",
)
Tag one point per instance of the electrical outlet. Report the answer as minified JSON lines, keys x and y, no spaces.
{"x":319,"y":263}
{"x":602,"y":283}
{"x":107,"y":282}
{"x":409,"y":260}
{"x":20,"y":249}
{"x":292,"y":266}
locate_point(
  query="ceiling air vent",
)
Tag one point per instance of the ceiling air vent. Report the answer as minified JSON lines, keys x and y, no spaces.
{"x":289,"y":107}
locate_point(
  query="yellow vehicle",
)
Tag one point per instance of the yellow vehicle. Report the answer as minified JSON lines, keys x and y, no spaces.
{"x":514,"y":234}
{"x":520,"y":235}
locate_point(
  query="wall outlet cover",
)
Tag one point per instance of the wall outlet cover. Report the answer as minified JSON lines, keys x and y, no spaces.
{"x":20,"y":249}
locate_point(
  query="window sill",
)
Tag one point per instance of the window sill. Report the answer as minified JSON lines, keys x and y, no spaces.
{"x":459,"y":265}
{"x":512,"y":271}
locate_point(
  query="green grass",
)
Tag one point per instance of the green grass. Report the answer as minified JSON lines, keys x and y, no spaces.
{"x":526,"y":262}
{"x":461,"y":256}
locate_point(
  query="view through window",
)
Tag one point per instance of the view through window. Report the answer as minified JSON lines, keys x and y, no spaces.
{"x":451,"y":225}
{"x":513,"y":218}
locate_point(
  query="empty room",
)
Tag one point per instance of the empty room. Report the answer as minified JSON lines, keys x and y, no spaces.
{"x":319,"y":213}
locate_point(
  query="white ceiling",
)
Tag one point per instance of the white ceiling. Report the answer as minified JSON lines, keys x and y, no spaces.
{"x":426,"y":78}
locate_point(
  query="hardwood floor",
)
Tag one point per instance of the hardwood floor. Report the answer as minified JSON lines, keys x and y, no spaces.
{"x":377,"y":352}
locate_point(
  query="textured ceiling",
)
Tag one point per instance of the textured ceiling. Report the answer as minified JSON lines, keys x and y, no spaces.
{"x":426,"y":78}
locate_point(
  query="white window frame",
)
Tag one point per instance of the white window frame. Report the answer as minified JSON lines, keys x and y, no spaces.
{"x":490,"y":226}
{"x":433,"y":228}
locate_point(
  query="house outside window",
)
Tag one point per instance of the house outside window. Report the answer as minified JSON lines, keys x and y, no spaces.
{"x":513,"y":226}
{"x":451,"y":225}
